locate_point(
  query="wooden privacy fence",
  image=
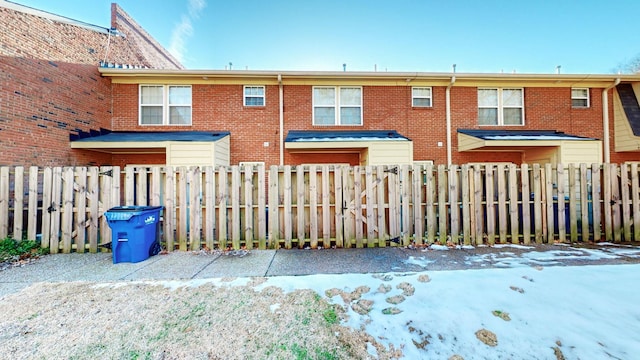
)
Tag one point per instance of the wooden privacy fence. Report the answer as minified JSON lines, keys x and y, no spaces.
{"x":327,"y":206}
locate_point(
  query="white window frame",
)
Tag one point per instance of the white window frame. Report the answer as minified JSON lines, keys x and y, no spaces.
{"x":415,"y":97}
{"x":500,"y":107}
{"x":337,"y":105}
{"x":246,"y":96}
{"x":581,"y":98}
{"x":166,"y":105}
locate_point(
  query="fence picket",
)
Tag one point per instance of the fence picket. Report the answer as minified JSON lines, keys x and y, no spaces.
{"x":584,"y":202}
{"x":32,"y":215}
{"x":169,"y":208}
{"x":210,"y":207}
{"x":93,"y":205}
{"x":249,"y":226}
{"x":80,"y":224}
{"x":513,"y":195}
{"x":18,"y":203}
{"x":313,"y":207}
{"x":550,"y":209}
{"x":357,"y":205}
{"x":442,"y":205}
{"x":490,"y":208}
{"x":369,"y":206}
{"x":526,"y":204}
{"x":626,"y":202}
{"x":502,"y":202}
{"x":288,"y":210}
{"x":596,"y":171}
{"x":635,"y":200}
{"x":562,"y":228}
{"x":467,"y":190}
{"x":454,"y":204}
{"x":4,"y":202}
{"x":537,"y":203}
{"x":338,"y":185}
{"x":194,"y":176}
{"x":615,"y":204}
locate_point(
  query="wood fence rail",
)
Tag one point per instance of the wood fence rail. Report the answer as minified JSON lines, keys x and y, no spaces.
{"x":327,"y":206}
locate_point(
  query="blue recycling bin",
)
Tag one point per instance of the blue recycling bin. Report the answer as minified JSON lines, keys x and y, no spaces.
{"x":135,"y":232}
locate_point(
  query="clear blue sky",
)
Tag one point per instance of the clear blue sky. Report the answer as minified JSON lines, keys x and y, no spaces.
{"x":526,"y":36}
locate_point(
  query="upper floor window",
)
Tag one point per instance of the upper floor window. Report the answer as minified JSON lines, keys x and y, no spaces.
{"x":501,"y":106}
{"x":165,"y":105}
{"x":334,"y":105}
{"x":580,"y":97}
{"x":421,"y":97}
{"x":254,"y":96}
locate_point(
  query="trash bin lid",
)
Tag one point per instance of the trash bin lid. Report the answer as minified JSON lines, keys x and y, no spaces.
{"x":124,"y":213}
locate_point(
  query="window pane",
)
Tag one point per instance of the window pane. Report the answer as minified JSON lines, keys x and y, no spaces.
{"x":324,"y":116}
{"x":151,"y":95}
{"x":488,"y":116}
{"x":579,"y":93}
{"x":421,"y":102}
{"x":180,"y":115}
{"x":487,"y":97}
{"x":180,"y":95}
{"x":512,"y":97}
{"x":324,"y":96}
{"x":254,"y":90}
{"x":512,"y":116}
{"x":422,"y":92}
{"x":254,"y":101}
{"x":350,"y":116}
{"x":350,"y":96}
{"x":579,"y":103}
{"x":151,"y":115}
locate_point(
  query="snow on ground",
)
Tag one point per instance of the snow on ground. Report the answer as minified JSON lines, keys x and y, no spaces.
{"x":535,"y":311}
{"x":585,"y":312}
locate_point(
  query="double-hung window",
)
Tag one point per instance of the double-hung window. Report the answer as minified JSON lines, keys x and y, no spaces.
{"x":421,"y":97}
{"x":165,"y":105}
{"x":337,"y":105}
{"x":580,"y":97}
{"x":501,"y":106}
{"x":254,"y":96}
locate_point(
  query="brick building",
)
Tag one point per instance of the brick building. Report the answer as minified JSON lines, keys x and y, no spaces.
{"x":50,"y":85}
{"x":370,"y":118}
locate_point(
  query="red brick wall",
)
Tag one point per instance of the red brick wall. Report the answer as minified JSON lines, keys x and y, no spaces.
{"x":219,"y":107}
{"x":45,"y":102}
{"x":50,"y":86}
{"x":215,"y":108}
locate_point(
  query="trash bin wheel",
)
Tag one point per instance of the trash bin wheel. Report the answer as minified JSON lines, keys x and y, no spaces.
{"x":155,"y":248}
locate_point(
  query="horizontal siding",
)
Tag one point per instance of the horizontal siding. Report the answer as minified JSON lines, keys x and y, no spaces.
{"x":190,"y":153}
{"x":390,"y":152}
{"x":576,"y":152}
{"x":223,"y":152}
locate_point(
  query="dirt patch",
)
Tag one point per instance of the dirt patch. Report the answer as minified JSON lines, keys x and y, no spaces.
{"x":407,"y":289}
{"x":487,"y":337}
{"x":148,"y":320}
{"x":502,"y":315}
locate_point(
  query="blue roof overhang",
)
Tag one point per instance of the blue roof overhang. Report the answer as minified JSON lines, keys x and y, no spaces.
{"x":474,"y":139}
{"x":138,"y":141}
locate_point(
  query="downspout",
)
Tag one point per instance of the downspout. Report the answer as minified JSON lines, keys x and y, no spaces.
{"x":281,"y":118}
{"x":605,"y":120}
{"x":448,"y":110}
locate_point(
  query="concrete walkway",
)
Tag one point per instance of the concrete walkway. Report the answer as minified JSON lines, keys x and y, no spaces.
{"x":189,"y":265}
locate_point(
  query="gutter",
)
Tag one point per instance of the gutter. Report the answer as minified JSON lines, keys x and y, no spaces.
{"x":281,"y":118}
{"x":605,"y":120}
{"x":448,"y":110}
